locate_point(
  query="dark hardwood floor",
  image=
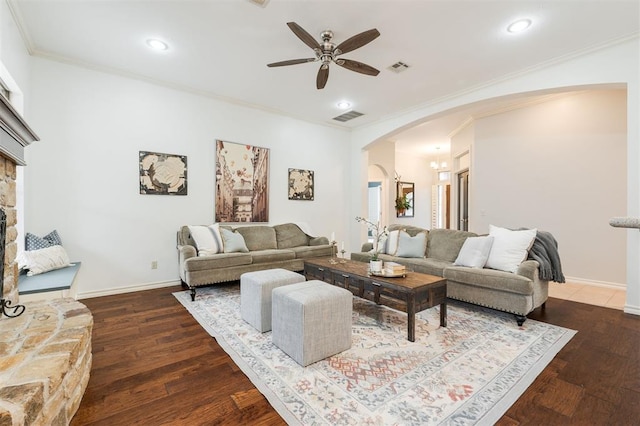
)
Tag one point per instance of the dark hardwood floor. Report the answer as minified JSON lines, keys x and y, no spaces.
{"x":154,"y":365}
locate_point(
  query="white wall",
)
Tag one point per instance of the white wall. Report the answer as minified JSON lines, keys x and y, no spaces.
{"x":559,"y":166}
{"x":614,"y":64}
{"x":461,"y":151}
{"x":411,"y":168}
{"x":14,"y":71}
{"x":382,"y":168}
{"x":82,"y":178}
{"x":416,"y":169}
{"x":13,"y":54}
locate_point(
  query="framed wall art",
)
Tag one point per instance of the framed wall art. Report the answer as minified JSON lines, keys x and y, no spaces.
{"x":242,"y":183}
{"x":162,"y":174}
{"x":301,"y":184}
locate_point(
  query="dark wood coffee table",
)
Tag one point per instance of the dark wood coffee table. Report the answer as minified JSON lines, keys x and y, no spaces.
{"x":413,"y":293}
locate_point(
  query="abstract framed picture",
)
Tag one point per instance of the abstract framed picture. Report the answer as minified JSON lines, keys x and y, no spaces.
{"x":162,"y":174}
{"x":242,"y":183}
{"x":301,"y":184}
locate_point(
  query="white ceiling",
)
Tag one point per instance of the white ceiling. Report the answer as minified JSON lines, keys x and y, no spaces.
{"x":220,"y":48}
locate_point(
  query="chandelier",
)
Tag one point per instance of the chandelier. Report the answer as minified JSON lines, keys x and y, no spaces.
{"x":438,"y":165}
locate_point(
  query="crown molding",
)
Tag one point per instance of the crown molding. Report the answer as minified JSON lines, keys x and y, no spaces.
{"x":179,"y":87}
{"x":510,"y":76}
{"x":14,"y":9}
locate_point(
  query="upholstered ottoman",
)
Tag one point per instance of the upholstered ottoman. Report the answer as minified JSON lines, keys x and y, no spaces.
{"x":255,"y":294}
{"x":311,"y":320}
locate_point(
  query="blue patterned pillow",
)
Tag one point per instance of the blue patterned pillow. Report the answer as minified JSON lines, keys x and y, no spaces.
{"x":33,"y":242}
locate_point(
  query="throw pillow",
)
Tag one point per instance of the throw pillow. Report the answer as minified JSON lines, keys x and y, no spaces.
{"x":215,"y":228}
{"x":474,"y":252}
{"x":409,"y":246}
{"x":510,"y":248}
{"x":33,"y":242}
{"x":391,"y":246}
{"x":44,"y":260}
{"x":289,"y":235}
{"x":205,"y":240}
{"x":233,"y":242}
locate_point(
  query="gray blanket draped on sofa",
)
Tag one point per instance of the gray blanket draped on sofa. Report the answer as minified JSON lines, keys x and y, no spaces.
{"x":545,"y":251}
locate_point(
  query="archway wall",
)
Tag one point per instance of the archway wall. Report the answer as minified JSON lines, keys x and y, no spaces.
{"x":616,"y":65}
{"x":382,"y":156}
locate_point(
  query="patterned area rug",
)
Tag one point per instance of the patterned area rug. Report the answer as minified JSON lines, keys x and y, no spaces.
{"x":467,"y":373}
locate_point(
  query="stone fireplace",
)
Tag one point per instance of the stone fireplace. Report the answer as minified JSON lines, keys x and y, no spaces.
{"x":45,"y":347}
{"x":8,"y":204}
{"x":15,"y":135}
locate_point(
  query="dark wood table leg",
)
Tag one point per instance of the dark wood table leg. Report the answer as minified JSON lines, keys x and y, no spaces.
{"x":411,"y":317}
{"x":443,"y":314}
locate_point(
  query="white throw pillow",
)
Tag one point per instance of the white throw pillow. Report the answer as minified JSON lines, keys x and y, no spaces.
{"x":215,"y":228}
{"x":382,"y":244}
{"x":391,"y":246}
{"x":409,"y":246}
{"x":233,"y":241}
{"x":205,"y":240}
{"x":474,"y":252}
{"x":44,"y":260}
{"x":510,"y":248}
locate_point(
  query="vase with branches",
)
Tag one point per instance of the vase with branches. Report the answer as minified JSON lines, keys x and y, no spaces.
{"x":377,"y":233}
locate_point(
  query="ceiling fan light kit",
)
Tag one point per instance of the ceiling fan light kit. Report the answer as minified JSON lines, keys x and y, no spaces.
{"x":327,"y":52}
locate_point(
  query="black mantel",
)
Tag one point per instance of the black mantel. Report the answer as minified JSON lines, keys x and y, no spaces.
{"x":15,"y":133}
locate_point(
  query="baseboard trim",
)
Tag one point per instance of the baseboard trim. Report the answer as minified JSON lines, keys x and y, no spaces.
{"x":584,"y":281}
{"x":633,"y":310}
{"x":128,"y":289}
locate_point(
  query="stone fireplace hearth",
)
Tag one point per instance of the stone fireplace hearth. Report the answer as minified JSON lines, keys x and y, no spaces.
{"x":45,"y":347}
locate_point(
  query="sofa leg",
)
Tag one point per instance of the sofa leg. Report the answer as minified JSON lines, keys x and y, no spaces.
{"x":193,"y":294}
{"x":520,"y":319}
{"x":543,"y":306}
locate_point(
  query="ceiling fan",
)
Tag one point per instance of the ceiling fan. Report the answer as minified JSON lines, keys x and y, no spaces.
{"x":328,"y":52}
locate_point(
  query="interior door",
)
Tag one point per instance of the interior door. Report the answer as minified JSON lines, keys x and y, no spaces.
{"x":463,"y":201}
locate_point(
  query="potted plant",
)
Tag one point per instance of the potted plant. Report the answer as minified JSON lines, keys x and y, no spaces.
{"x":378,"y":234}
{"x":402,"y":204}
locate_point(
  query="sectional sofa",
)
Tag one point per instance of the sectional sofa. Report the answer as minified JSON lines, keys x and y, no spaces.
{"x":518,"y":292}
{"x":236,"y":250}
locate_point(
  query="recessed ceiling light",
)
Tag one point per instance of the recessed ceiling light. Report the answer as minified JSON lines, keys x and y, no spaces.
{"x":344,"y":105}
{"x":519,"y":25}
{"x":156,"y":44}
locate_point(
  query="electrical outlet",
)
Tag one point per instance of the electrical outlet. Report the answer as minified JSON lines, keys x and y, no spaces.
{"x":154,"y":264}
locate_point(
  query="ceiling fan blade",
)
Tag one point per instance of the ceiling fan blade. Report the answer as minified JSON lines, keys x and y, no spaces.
{"x":323,"y":76}
{"x":292,"y":62}
{"x":303,"y":35}
{"x":357,"y":41}
{"x":357,"y":67}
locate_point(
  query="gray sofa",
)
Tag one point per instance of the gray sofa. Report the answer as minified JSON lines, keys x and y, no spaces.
{"x":280,"y":246}
{"x":518,"y":293}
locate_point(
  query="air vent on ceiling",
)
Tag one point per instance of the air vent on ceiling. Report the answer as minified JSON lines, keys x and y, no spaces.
{"x":398,"y":67}
{"x":348,"y":116}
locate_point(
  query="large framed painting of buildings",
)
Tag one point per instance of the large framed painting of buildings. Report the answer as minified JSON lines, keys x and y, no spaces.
{"x":162,"y":174}
{"x":242,"y":183}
